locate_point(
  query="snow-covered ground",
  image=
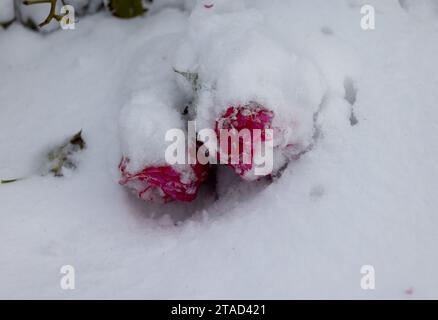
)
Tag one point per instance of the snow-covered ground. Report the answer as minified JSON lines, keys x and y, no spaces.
{"x":365,"y":195}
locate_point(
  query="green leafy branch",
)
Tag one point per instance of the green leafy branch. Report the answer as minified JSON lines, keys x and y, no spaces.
{"x":62,"y":157}
{"x":59,"y":158}
{"x":119,"y":8}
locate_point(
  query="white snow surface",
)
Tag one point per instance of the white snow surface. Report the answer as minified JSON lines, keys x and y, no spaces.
{"x":7,"y":13}
{"x":364,"y":195}
{"x":85,"y":6}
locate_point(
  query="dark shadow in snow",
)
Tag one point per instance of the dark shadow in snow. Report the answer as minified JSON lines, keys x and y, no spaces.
{"x":353,"y":119}
{"x":404,"y":5}
{"x":317,"y":191}
{"x":327,"y":31}
{"x":351,"y":97}
{"x":350,"y":91}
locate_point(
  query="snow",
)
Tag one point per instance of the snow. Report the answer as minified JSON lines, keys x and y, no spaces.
{"x":144,"y":122}
{"x":364,"y":195}
{"x":228,"y":48}
{"x":6,"y":11}
{"x":85,"y":6}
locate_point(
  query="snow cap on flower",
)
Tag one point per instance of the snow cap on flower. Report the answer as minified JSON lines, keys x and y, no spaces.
{"x":144,"y":121}
{"x":237,"y":62}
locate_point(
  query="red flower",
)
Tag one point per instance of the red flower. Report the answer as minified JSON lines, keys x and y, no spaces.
{"x":250,"y":116}
{"x":164,"y":183}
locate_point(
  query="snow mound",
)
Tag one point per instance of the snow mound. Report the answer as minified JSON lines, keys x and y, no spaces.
{"x":7,"y":13}
{"x":238,"y":62}
{"x":143,"y":123}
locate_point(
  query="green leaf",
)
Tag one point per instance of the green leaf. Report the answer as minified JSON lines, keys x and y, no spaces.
{"x":126,"y":8}
{"x":9,"y":181}
{"x":62,"y":157}
{"x":77,"y":140}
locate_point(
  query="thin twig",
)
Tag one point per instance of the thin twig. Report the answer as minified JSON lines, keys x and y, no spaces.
{"x":52,"y":14}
